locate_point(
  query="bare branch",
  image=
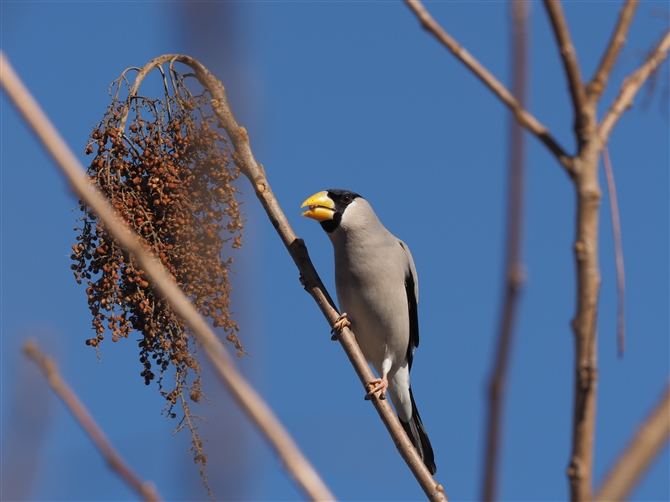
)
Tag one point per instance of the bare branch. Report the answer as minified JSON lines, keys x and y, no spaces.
{"x":144,"y":489}
{"x":571,"y":65}
{"x":310,"y":279}
{"x":245,"y":395}
{"x":588,"y":196}
{"x":524,"y":117}
{"x":618,"y":251}
{"x":632,"y":85}
{"x":647,"y":442}
{"x":585,"y":176}
{"x":514,"y":273}
{"x":595,"y":88}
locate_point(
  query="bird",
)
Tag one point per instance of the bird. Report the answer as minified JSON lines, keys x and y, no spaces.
{"x":377,"y":290}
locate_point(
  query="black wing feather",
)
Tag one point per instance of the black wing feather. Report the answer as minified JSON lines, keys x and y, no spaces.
{"x":412,"y":304}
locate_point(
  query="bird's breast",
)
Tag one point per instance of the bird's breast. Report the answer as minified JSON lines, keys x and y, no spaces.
{"x":370,"y":286}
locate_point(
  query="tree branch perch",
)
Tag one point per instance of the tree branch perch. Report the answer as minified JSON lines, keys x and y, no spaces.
{"x":245,"y":160}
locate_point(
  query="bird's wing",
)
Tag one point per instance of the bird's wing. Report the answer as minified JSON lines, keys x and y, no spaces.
{"x":412,"y":290}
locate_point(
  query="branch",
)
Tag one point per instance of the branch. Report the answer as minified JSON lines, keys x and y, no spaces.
{"x":595,"y":88}
{"x":144,"y":489}
{"x":648,"y":440}
{"x":571,"y":65}
{"x":618,"y":252}
{"x":522,"y":116}
{"x":245,"y":395}
{"x":584,"y":322}
{"x":632,"y":85}
{"x":585,"y":177}
{"x":514,"y":267}
{"x":310,"y":279}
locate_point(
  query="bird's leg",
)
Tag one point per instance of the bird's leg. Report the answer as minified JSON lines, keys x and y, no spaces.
{"x":339,"y":325}
{"x":378,"y":384}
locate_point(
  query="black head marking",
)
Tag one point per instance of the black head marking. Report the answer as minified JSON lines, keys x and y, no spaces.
{"x":330,"y":225}
{"x":341,"y":198}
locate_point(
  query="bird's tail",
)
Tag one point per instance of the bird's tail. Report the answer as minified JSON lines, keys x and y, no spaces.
{"x":417,"y":435}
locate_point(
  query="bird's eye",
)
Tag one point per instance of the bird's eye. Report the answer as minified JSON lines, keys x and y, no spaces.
{"x":346,"y":199}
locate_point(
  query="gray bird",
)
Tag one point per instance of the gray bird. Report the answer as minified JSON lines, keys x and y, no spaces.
{"x":377,"y":288}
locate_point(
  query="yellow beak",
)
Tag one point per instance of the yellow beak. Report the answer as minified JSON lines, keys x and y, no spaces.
{"x":321,"y":207}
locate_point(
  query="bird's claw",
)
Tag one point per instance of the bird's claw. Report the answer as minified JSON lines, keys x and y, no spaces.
{"x":378,"y":384}
{"x":341,"y":323}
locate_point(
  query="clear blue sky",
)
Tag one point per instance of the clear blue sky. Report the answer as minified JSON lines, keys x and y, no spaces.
{"x":341,"y":95}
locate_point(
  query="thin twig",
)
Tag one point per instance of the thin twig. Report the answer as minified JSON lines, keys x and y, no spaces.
{"x":645,"y":444}
{"x":595,"y":88}
{"x":514,"y":273}
{"x":524,"y":117}
{"x":245,"y":395}
{"x":618,"y":251}
{"x":632,"y":85}
{"x":144,"y":489}
{"x":570,"y":64}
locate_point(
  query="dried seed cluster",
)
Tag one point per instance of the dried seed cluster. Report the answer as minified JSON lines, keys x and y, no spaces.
{"x":169,"y":174}
{"x":170,"y":177}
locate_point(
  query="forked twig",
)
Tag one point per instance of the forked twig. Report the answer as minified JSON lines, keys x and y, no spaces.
{"x":632,"y":85}
{"x":618,"y":251}
{"x":596,"y":86}
{"x":245,"y":395}
{"x":514,"y":273}
{"x":645,"y":444}
{"x":144,"y":489}
{"x":523,"y":116}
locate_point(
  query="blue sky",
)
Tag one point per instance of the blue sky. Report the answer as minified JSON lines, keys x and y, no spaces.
{"x":341,"y":95}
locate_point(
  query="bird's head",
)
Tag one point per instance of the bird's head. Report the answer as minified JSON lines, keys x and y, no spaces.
{"x":328,"y":207}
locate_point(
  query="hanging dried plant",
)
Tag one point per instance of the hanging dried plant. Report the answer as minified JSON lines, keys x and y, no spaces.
{"x":170,"y":176}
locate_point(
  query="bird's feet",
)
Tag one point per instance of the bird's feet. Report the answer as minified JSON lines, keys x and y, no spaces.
{"x":378,"y":384}
{"x":341,"y":323}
